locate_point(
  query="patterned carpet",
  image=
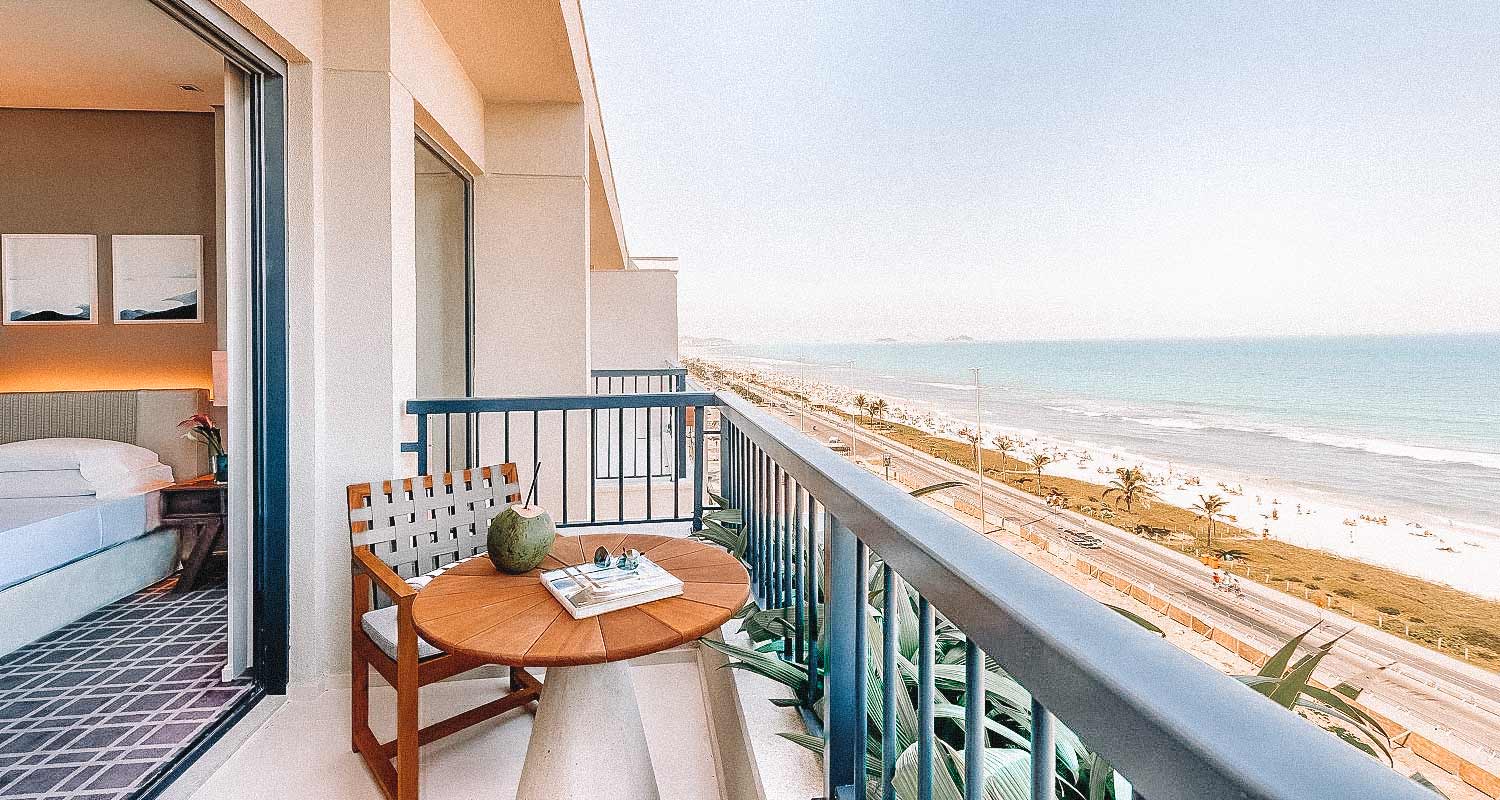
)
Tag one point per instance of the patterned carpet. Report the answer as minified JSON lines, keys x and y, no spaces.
{"x":100,"y":707}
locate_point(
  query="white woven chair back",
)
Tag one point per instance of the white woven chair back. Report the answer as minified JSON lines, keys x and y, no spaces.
{"x":416,"y":525}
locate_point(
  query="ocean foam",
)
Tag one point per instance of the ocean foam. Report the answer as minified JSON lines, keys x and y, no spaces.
{"x":1077,"y":411}
{"x":1386,"y":447}
{"x":1169,"y":422}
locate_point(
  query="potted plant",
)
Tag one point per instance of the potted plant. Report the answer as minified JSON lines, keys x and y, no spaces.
{"x":203,"y":430}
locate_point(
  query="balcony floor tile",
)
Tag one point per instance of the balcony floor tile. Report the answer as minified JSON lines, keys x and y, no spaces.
{"x":302,"y":749}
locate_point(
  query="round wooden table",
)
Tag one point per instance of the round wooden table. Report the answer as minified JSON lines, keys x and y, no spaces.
{"x":587,"y":739}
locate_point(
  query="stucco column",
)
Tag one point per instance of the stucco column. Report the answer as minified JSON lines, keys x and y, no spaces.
{"x":367,"y":290}
{"x":531,"y":285}
{"x":371,"y":268}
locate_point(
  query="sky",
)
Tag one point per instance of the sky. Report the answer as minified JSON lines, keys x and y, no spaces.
{"x":832,"y":172}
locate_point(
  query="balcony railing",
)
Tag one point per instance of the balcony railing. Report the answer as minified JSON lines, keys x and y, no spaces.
{"x":559,"y":433}
{"x":639,"y":435}
{"x":639,"y":381}
{"x":1175,"y":727}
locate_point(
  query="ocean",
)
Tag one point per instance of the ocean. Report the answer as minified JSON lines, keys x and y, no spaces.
{"x":1406,"y":425}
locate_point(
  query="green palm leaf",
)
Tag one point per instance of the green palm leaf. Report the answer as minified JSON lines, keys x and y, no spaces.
{"x":945,"y":782}
{"x":761,"y":664}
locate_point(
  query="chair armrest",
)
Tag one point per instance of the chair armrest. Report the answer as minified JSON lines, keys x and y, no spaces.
{"x":386,"y":580}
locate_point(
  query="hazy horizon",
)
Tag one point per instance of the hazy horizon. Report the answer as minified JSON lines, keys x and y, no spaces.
{"x":965,"y":339}
{"x":847,"y":173}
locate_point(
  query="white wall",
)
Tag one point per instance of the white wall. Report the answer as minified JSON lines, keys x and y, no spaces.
{"x":634,"y":326}
{"x":362,"y":73}
{"x":531,"y":287}
{"x":634,"y":318}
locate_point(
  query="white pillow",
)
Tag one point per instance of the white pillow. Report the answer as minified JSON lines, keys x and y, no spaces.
{"x":138,"y":482}
{"x":44,"y":483}
{"x":98,"y":460}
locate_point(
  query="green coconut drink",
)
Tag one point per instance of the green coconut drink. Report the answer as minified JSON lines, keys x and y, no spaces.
{"x":521,"y":536}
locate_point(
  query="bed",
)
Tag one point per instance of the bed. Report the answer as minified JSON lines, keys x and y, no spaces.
{"x":74,"y":540}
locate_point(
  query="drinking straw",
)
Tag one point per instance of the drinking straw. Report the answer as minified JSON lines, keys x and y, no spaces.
{"x":531,"y":493}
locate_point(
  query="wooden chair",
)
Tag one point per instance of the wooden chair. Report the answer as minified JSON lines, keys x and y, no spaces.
{"x":402,"y":533}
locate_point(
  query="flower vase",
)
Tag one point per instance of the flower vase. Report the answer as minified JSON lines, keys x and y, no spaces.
{"x":221,"y":468}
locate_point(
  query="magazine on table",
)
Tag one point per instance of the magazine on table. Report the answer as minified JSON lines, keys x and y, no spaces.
{"x":588,"y":590}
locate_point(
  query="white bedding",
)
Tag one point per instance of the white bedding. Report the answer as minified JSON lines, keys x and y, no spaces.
{"x":97,"y":459}
{"x":43,"y":533}
{"x":45,"y":483}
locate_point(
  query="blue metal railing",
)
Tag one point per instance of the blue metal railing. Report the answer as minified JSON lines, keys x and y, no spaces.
{"x":639,"y":436}
{"x":465,"y":432}
{"x":1175,"y":727}
{"x":639,"y":381}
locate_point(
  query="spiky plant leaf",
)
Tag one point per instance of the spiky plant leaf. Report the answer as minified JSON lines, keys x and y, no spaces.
{"x":1002,"y":690}
{"x":1137,"y":619}
{"x":1295,"y":682}
{"x":1007,"y":774}
{"x":1364,"y":719}
{"x":945,"y":782}
{"x":955,"y":712}
{"x":906,"y":712}
{"x":1100,"y":773}
{"x":936,"y":487}
{"x":726,"y":516}
{"x":1348,"y":691}
{"x":1423,"y":781}
{"x":1276,"y":665}
{"x":1375,"y":737}
{"x":761,"y":664}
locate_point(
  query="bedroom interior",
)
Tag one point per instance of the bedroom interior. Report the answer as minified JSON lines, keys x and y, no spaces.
{"x":123,"y":630}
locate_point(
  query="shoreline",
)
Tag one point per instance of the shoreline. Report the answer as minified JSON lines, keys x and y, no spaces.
{"x":1430,"y":612}
{"x":1449,"y":554}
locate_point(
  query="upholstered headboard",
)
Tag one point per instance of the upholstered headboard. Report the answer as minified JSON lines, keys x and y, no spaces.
{"x":145,"y":417}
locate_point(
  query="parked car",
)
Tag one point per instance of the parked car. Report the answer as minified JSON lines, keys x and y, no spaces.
{"x":838,"y":445}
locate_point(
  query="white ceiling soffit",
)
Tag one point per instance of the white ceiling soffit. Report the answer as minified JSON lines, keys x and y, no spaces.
{"x":515,"y":51}
{"x":107,"y":54}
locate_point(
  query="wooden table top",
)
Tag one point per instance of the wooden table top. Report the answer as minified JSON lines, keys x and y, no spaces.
{"x":475,"y":610}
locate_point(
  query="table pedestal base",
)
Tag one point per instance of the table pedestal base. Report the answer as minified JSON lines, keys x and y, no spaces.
{"x":587,"y":740}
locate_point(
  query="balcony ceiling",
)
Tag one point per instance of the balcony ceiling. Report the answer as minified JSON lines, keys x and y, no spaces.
{"x":103,"y":54}
{"x":515,"y":51}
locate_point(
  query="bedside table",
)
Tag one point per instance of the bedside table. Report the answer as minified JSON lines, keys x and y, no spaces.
{"x":197,"y":509}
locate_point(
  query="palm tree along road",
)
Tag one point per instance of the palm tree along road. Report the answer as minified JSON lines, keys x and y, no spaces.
{"x":1439,"y":691}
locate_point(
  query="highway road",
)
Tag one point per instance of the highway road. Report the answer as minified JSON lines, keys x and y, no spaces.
{"x":1423,"y":688}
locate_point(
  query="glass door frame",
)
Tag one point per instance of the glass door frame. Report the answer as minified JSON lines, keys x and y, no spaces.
{"x":264,"y":74}
{"x":467,"y":178}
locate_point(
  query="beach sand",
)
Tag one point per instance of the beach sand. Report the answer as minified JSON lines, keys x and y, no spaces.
{"x":1463,"y":557}
{"x":1370,"y":571}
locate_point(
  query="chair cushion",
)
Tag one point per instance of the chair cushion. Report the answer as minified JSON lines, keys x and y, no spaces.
{"x":426,"y":577}
{"x":380,"y":624}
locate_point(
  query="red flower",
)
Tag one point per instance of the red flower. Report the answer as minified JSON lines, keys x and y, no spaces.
{"x":197,"y":421}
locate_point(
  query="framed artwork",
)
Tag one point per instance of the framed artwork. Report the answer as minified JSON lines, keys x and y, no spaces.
{"x":49,"y":279}
{"x":157,"y":278}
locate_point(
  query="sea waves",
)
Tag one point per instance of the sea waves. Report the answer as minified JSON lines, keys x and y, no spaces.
{"x":1372,"y":445}
{"x":1083,"y":412}
{"x":1386,"y":447}
{"x":1170,"y":422}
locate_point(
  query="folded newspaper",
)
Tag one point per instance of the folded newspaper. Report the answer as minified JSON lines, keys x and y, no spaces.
{"x":589,"y":590}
